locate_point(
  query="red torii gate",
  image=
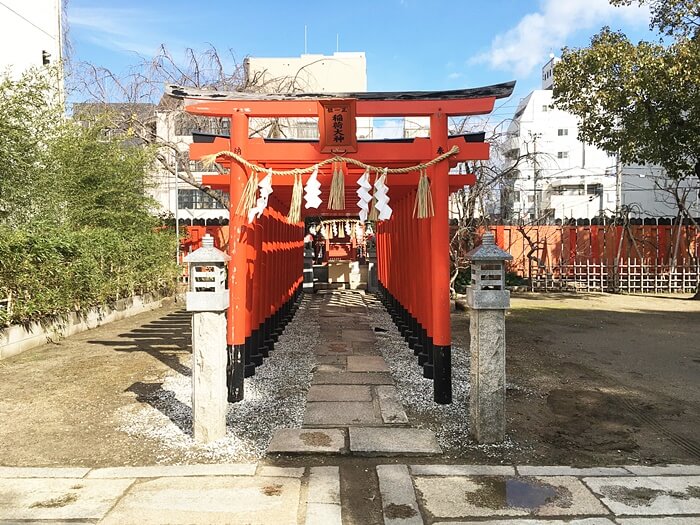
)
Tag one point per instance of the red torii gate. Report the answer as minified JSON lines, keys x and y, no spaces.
{"x":266,"y":268}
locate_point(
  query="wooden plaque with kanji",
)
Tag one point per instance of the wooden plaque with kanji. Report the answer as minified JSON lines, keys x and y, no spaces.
{"x":337,"y":126}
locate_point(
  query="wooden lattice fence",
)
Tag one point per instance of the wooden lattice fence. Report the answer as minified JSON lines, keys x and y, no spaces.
{"x":631,"y":258}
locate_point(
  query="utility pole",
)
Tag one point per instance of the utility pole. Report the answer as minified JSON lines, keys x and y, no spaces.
{"x":535,"y":177}
{"x":618,"y":185}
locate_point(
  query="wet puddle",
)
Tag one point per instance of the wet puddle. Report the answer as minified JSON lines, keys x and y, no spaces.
{"x":499,"y":493}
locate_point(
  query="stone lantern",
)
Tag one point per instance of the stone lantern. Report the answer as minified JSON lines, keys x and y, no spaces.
{"x":488,"y":271}
{"x":207,"y":271}
{"x":208,"y":298}
{"x":488,"y":301}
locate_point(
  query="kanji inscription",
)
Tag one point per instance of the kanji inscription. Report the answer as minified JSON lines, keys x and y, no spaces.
{"x":337,"y":126}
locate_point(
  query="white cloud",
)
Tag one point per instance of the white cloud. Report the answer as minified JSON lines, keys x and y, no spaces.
{"x":524,"y":47}
{"x":121,"y":29}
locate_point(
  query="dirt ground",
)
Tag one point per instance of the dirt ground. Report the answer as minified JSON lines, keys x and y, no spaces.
{"x":602,"y":379}
{"x":592,"y":380}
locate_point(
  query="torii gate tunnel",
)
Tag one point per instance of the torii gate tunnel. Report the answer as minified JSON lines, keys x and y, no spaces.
{"x":413,"y":261}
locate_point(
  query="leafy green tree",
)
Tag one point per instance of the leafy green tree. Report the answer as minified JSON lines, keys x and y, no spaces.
{"x":76,"y":226}
{"x":641,"y":100}
{"x":28,"y":118}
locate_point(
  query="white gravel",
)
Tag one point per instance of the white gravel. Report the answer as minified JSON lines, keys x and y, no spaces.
{"x":449,"y":422}
{"x":273,"y":398}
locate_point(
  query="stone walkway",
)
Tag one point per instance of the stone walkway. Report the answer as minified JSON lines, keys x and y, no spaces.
{"x":352,"y":404}
{"x":407,"y":494}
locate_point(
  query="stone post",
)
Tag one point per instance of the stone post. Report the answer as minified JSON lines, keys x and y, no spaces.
{"x":208,"y":298}
{"x":372,"y":282}
{"x":308,"y":267}
{"x":488,"y":301}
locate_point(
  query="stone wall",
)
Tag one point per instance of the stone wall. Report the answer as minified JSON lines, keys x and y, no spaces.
{"x":16,"y":339}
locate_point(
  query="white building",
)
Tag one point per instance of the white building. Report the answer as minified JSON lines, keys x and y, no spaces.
{"x":565,"y":178}
{"x":30,"y":36}
{"x":562,"y":178}
{"x":648,"y":192}
{"x":340,"y":72}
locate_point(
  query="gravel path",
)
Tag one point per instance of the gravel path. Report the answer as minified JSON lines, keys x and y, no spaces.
{"x":275,"y":397}
{"x":449,"y":422}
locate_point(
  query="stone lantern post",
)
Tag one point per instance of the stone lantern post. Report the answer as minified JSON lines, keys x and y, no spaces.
{"x":208,"y":298}
{"x":488,"y":301}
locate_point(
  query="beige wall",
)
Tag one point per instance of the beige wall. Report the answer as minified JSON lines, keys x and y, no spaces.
{"x":337,"y":73}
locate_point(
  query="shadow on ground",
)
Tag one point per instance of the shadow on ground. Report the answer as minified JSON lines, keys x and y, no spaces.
{"x":166,"y":339}
{"x":165,"y":402}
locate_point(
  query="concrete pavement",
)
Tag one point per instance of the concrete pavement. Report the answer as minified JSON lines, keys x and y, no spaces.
{"x":409,"y":494}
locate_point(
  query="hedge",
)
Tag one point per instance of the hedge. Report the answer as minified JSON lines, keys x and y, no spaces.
{"x":50,"y":273}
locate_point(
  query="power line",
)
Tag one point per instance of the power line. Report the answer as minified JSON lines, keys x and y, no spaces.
{"x":27,"y":20}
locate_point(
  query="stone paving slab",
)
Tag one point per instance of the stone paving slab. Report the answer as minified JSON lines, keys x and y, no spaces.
{"x":490,"y":496}
{"x":334,"y":369}
{"x":667,"y":470}
{"x":194,"y":500}
{"x":307,"y":441}
{"x":649,"y":496}
{"x":367,"y":363}
{"x":334,"y":349}
{"x":462,"y":470}
{"x":359,"y":336}
{"x":584,"y":521}
{"x":59,"y":498}
{"x":340,"y":413}
{"x":159,"y":471}
{"x":331,"y":359}
{"x":339,"y":393}
{"x":352,"y":378}
{"x":390,"y":406}
{"x":323,"y":514}
{"x":324,"y":485}
{"x":364,"y":349}
{"x":399,"y":504}
{"x":42,"y":472}
{"x":281,"y":472}
{"x":393,"y":441}
{"x":690,"y":520}
{"x":560,"y":470}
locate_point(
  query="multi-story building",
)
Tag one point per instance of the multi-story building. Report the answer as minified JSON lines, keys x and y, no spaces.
{"x":31,"y":36}
{"x":558,"y":177}
{"x":646,"y":191}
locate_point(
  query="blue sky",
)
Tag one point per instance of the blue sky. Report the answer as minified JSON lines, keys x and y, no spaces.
{"x":410,"y":44}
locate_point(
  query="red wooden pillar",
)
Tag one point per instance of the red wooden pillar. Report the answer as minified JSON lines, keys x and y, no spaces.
{"x":266,"y":299}
{"x":425,"y":292}
{"x":398,"y":223}
{"x":236,"y":315}
{"x":440,"y":262}
{"x":250,"y":287}
{"x":258,"y":345}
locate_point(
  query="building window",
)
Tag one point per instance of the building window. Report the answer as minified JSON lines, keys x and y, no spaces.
{"x":197,"y":200}
{"x":198,"y":165}
{"x":595,"y":189}
{"x":562,"y":132}
{"x":516,"y":195}
{"x":545,"y":108}
{"x":562,"y":154}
